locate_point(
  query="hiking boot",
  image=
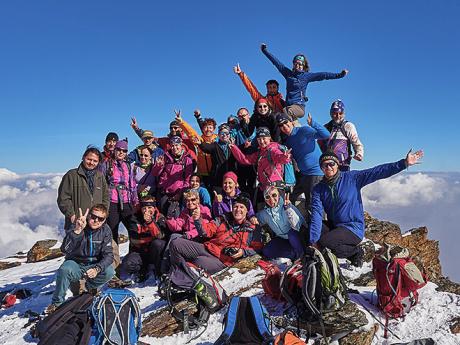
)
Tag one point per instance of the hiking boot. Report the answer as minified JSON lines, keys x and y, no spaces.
{"x":51,"y":309}
{"x":357,"y":260}
{"x":78,"y":287}
{"x":207,"y":295}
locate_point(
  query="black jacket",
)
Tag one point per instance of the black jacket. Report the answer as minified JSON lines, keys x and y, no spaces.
{"x":89,"y":247}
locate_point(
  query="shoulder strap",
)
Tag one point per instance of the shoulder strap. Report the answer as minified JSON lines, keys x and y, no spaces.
{"x":230,"y":320}
{"x":260,"y":315}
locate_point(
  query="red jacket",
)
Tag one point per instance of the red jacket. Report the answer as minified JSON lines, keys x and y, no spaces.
{"x":142,"y":234}
{"x":225,"y":233}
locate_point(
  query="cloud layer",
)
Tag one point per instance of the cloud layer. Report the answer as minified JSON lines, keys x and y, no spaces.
{"x":28,"y":210}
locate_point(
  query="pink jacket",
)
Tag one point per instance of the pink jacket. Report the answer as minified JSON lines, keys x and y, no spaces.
{"x":185,"y":223}
{"x":174,"y":175}
{"x":120,"y":180}
{"x":267,"y":170}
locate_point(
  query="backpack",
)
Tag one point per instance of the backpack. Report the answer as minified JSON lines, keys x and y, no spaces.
{"x":271,"y":281}
{"x":288,"y":177}
{"x":246,"y":322}
{"x":69,"y":324}
{"x":117,"y":318}
{"x":288,"y":337}
{"x":314,"y":284}
{"x":398,"y":279}
{"x":341,"y":147}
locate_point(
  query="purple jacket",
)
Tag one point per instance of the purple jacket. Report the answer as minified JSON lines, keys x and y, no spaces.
{"x":220,"y":208}
{"x":174,"y":175}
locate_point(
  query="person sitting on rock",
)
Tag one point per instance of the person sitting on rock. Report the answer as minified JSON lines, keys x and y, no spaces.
{"x":146,"y":242}
{"x":339,"y":195}
{"x":87,"y":246}
{"x":284,"y":221}
{"x":229,"y":238}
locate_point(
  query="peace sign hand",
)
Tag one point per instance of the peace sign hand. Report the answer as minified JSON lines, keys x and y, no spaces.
{"x":134,"y":124}
{"x":80,"y":224}
{"x":309,"y":119}
{"x":288,"y":154}
{"x":237,"y":69}
{"x":160,"y":161}
{"x":178,"y":115}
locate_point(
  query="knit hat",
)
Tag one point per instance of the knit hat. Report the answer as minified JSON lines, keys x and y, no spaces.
{"x":174,"y":124}
{"x":328,"y":156}
{"x":147,"y":134}
{"x":337,"y":107}
{"x":262,"y":132}
{"x":175,"y":140}
{"x":243,"y":201}
{"x":282,"y":118}
{"x":122,"y":145}
{"x":111,"y":136}
{"x":231,"y":175}
{"x":262,"y":100}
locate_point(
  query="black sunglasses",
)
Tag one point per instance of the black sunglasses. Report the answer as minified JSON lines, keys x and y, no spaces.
{"x":96,"y":218}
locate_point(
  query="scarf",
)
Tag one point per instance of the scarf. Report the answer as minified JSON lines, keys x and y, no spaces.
{"x":90,"y":178}
{"x":224,"y":147}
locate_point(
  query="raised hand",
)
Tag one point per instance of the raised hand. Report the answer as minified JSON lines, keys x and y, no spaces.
{"x":309,"y":119}
{"x":178,"y":115}
{"x":80,"y":223}
{"x":263,"y":46}
{"x":344,"y":72}
{"x":218,"y":197}
{"x":148,"y":215}
{"x":247,"y":144}
{"x":197,"y":113}
{"x":196,"y":214}
{"x":237,"y":69}
{"x":358,"y":157}
{"x":160,"y":161}
{"x":134,"y":124}
{"x":413,"y":158}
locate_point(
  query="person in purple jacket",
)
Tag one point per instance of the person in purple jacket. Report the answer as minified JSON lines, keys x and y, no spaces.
{"x":223,"y":203}
{"x":339,"y":195}
{"x":297,"y":80}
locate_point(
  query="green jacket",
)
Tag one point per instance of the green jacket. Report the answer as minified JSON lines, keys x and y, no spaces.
{"x":74,"y":193}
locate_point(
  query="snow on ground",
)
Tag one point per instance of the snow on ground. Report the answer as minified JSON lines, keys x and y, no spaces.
{"x":427,"y":319}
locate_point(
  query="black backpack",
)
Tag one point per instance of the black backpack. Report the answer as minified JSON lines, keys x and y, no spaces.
{"x":69,"y":324}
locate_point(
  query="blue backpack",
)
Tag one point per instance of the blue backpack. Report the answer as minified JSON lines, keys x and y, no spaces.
{"x":246,"y":322}
{"x":117,"y":318}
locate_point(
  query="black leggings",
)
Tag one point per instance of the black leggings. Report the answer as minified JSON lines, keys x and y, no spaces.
{"x":341,"y":241}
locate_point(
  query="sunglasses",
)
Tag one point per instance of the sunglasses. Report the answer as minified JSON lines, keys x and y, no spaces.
{"x":142,"y":155}
{"x":282,"y":124}
{"x":273,"y":195}
{"x":224,"y":133}
{"x":262,"y":106}
{"x":328,"y":165}
{"x":92,"y":216}
{"x":243,"y":115}
{"x":174,"y":128}
{"x":191,"y":200}
{"x":121,"y":150}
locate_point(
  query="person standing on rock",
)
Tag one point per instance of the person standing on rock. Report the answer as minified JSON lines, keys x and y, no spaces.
{"x":88,"y":254}
{"x":339,"y":195}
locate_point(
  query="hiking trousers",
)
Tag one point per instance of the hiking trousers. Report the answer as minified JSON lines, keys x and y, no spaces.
{"x":134,"y":262}
{"x":305,"y":184}
{"x":341,"y":241}
{"x":71,"y":271}
{"x":183,"y":251}
{"x":278,"y":247}
{"x":117,"y":215}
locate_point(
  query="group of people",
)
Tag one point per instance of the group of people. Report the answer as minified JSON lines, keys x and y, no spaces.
{"x":213,"y":196}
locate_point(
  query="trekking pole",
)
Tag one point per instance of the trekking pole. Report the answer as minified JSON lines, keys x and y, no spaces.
{"x":385,"y":327}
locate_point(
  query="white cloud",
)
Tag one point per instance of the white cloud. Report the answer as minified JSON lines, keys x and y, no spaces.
{"x":422,"y":199}
{"x":28,"y":210}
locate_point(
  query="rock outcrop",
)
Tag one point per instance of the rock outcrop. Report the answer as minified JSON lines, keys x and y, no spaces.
{"x":43,"y":250}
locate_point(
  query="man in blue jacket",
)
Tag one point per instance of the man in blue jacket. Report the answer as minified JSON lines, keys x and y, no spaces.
{"x":339,"y":195}
{"x":306,"y":152}
{"x":88,"y":253}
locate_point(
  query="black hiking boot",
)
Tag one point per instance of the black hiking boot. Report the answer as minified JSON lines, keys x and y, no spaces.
{"x":357,"y":260}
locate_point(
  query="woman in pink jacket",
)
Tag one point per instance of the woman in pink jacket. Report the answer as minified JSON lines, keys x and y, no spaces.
{"x":268,"y":159}
{"x":185,"y":223}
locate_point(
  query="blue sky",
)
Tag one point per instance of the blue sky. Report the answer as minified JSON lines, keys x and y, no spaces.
{"x":72,"y":71}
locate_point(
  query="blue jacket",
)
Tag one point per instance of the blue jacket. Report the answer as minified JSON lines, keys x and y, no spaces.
{"x":342,"y":202}
{"x":296,"y":82}
{"x":305,"y":150}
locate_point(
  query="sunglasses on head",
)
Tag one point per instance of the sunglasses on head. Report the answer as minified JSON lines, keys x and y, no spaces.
{"x":328,"y":165}
{"x":96,"y":218}
{"x":273,"y":195}
{"x":121,"y":150}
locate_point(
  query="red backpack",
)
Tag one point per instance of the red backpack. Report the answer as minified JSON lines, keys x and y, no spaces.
{"x":271,"y":281}
{"x":398,"y":279}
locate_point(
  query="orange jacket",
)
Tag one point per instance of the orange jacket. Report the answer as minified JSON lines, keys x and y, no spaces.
{"x":204,"y":161}
{"x":276,"y":102}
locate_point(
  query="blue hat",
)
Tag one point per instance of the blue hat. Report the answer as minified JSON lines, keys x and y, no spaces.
{"x":337,"y":107}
